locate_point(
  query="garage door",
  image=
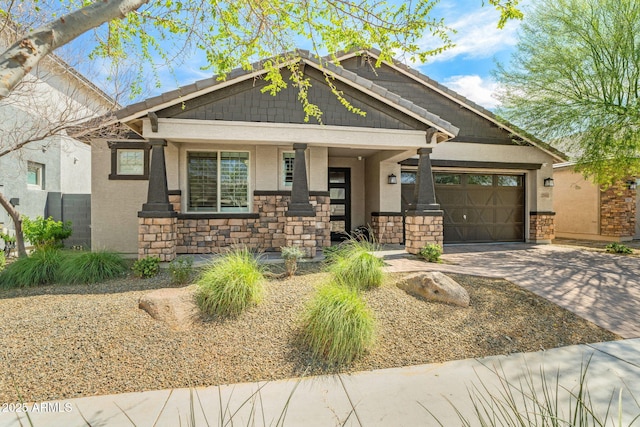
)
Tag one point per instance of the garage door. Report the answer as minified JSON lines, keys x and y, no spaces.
{"x":479,"y":207}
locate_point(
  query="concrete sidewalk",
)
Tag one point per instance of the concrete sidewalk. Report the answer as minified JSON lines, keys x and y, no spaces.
{"x":389,"y":397}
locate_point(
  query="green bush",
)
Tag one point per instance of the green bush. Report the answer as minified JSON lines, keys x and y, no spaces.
{"x":90,"y":267}
{"x":146,"y":267}
{"x":3,"y":261}
{"x":356,"y":266}
{"x":431,"y":252}
{"x":618,"y":248}
{"x":181,"y":270}
{"x":39,"y":268}
{"x":337,"y":325}
{"x":43,"y":232}
{"x":231,"y":284}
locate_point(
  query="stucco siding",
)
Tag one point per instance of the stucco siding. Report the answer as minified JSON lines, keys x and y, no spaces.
{"x":114,"y":204}
{"x":577,"y":204}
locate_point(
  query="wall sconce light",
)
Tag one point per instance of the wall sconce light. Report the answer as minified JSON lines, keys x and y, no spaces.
{"x":548,"y":182}
{"x":632,"y":185}
{"x":392,"y":179}
{"x":14,"y":201}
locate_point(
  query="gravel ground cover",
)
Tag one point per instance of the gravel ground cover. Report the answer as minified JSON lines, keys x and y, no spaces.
{"x":60,"y":342}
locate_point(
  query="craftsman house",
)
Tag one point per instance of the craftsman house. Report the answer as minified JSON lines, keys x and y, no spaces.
{"x":219,"y":162}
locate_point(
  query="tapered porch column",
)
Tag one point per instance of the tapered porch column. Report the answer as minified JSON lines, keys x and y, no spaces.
{"x":157,"y":221}
{"x":300,"y":225}
{"x":424,"y":219}
{"x":299,"y":204}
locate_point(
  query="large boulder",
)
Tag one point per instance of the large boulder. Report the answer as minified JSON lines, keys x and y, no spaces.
{"x":174,"y":306}
{"x":435,"y":286}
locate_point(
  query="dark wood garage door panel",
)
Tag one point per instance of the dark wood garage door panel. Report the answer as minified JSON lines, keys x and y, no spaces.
{"x":482,"y":208}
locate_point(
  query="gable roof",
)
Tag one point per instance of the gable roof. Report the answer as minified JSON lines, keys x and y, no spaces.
{"x":202,"y":87}
{"x":457,"y":98}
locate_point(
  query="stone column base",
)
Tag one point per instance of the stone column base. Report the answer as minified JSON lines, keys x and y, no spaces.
{"x":422,"y":229}
{"x":300,"y":231}
{"x":157,"y":237}
{"x":542,"y":227}
{"x":387,"y":227}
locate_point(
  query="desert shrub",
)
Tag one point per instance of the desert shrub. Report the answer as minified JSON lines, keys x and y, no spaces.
{"x":3,"y":261}
{"x":43,"y":232}
{"x":291,"y":256}
{"x":333,"y":253}
{"x":431,"y":252}
{"x":39,"y":268}
{"x":356,"y":266}
{"x":618,"y":248}
{"x":230,"y":284}
{"x":146,"y":267}
{"x":181,"y":270}
{"x":337,"y":325}
{"x":90,"y":267}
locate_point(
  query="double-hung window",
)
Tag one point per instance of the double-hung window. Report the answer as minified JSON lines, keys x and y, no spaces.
{"x":218,"y":181}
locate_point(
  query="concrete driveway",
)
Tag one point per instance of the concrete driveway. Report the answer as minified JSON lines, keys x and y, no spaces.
{"x":603,"y":288}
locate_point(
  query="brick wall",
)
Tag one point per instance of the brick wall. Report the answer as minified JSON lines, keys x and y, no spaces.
{"x":542,"y":227}
{"x":618,"y":211}
{"x":266,"y":231}
{"x":421,"y":230}
{"x":387,"y":228}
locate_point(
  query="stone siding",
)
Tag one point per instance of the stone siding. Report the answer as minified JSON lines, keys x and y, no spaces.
{"x":388,"y":228}
{"x":618,"y":211}
{"x":421,"y":230}
{"x":542,"y":227}
{"x":157,"y":237}
{"x":266,"y":232}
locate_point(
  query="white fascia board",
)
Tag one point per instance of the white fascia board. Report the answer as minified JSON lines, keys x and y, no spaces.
{"x":188,"y":130}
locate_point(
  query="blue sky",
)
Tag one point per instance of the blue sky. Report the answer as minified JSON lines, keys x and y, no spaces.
{"x":465,"y":68}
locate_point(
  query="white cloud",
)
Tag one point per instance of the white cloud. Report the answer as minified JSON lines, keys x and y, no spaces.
{"x":479,"y":90}
{"x":477,"y":36}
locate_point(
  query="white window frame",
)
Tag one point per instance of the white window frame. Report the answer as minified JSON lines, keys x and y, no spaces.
{"x":39,"y":171}
{"x":284,"y":185}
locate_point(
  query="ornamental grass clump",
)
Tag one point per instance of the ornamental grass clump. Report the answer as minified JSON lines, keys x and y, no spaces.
{"x":230,"y":284}
{"x":91,"y":267}
{"x":39,"y":268}
{"x":337,"y":325}
{"x":356,"y":266}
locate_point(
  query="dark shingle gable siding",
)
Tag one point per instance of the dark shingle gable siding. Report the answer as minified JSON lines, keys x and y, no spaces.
{"x":472,"y":127}
{"x":244,"y":101}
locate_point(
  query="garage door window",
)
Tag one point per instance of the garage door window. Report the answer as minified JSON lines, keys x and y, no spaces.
{"x":484,"y":180}
{"x":447,"y":179}
{"x":509,"y":181}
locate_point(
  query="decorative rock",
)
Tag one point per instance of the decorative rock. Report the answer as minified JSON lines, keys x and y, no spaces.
{"x":174,"y":306}
{"x":435,"y":286}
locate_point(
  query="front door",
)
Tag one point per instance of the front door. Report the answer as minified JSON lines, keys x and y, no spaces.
{"x":340,"y":193}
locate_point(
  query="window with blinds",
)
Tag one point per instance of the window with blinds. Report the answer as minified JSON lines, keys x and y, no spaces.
{"x":218,"y":181}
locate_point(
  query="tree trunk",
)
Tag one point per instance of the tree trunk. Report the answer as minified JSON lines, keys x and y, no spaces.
{"x":25,"y":54}
{"x":17,"y":222}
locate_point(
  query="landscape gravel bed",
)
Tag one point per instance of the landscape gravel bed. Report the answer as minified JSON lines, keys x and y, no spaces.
{"x":60,"y":342}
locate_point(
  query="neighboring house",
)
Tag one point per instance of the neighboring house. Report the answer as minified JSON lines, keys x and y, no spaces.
{"x":587,"y":211}
{"x":219,"y":163}
{"x":52,"y":175}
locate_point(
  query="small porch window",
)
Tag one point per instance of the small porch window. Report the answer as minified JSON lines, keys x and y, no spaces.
{"x":218,"y":181}
{"x":129,"y":160}
{"x":287,"y":169}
